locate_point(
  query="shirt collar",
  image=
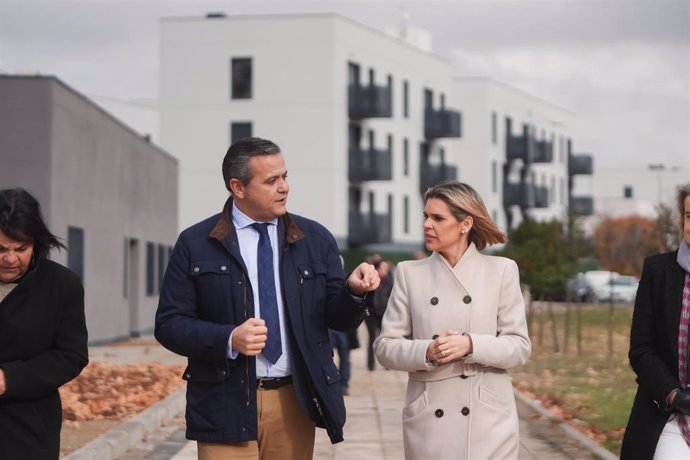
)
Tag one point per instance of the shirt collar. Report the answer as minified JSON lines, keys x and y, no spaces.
{"x":240,"y":220}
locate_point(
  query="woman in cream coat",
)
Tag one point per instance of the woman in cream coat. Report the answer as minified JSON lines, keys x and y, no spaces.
{"x":455,"y":322}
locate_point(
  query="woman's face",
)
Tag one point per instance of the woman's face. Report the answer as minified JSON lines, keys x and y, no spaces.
{"x":442,"y":231}
{"x":686,"y":220}
{"x":15,"y":257}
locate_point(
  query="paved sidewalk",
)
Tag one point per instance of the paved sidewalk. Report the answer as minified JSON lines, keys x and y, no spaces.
{"x":374,"y":428}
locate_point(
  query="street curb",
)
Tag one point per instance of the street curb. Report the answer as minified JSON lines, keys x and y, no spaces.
{"x":112,"y":444}
{"x":586,"y":442}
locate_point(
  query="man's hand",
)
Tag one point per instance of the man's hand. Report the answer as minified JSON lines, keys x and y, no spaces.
{"x":363,"y":279}
{"x":3,"y":387}
{"x":249,"y":338}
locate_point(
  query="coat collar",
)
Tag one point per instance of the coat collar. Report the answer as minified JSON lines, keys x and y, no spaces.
{"x":674,"y":277}
{"x":225,"y":228}
{"x":465,"y":270}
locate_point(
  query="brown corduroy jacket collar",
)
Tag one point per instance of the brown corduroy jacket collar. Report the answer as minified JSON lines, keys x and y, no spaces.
{"x":224,"y":227}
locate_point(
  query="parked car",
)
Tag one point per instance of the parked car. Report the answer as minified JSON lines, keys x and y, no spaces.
{"x":601,"y":286}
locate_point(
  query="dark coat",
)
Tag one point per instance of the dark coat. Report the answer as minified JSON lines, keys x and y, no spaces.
{"x":42,"y":346}
{"x":654,"y":352}
{"x":206,"y":293}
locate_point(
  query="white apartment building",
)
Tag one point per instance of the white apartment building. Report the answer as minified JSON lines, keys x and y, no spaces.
{"x":516,"y":150}
{"x":367,"y":122}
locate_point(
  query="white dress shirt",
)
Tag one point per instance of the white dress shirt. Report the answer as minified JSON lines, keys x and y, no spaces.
{"x":248,"y":239}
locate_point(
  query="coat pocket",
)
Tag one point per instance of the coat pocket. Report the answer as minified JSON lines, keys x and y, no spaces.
{"x":416,"y":399}
{"x":494,"y":400}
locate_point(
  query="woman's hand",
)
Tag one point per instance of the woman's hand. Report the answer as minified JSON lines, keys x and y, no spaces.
{"x":452,"y":346}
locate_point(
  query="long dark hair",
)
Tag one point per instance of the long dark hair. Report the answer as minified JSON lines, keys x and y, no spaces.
{"x":21,"y":220}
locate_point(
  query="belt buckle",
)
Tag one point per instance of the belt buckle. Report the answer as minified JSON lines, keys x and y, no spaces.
{"x":263,"y":380}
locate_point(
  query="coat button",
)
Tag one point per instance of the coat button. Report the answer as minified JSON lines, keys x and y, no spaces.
{"x":438,"y":413}
{"x":196,"y":269}
{"x":222,"y":373}
{"x":465,"y":411}
{"x":223,"y":267}
{"x":434,"y":300}
{"x":434,"y":337}
{"x":467,"y":299}
{"x":306,"y":272}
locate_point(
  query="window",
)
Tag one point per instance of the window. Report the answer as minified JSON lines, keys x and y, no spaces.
{"x":494,"y":128}
{"x":406,"y":157}
{"x":150,"y":273}
{"x":75,"y":250}
{"x":406,"y":214}
{"x":443,"y":101}
{"x":428,"y":99}
{"x":240,"y":130}
{"x":241,"y":70}
{"x":406,"y":99}
{"x":627,"y":191}
{"x":494,"y":176}
{"x":353,"y":74}
{"x":125,"y":271}
{"x":390,"y":91}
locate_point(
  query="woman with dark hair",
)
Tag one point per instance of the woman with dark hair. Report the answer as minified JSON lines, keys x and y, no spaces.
{"x":42,"y":331}
{"x":455,"y":321}
{"x":659,"y":423}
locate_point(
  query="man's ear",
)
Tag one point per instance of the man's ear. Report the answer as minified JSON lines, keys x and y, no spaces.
{"x":237,"y":188}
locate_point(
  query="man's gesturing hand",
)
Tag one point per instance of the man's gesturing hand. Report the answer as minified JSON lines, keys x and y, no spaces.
{"x":363,"y":279}
{"x":249,"y":338}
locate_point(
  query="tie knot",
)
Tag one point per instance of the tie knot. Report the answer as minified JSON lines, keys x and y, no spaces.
{"x":262,"y":228}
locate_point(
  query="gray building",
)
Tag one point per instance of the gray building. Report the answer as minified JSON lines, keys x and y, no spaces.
{"x":110,"y":195}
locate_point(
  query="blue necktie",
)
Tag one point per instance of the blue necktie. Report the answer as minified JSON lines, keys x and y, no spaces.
{"x":268,"y":301}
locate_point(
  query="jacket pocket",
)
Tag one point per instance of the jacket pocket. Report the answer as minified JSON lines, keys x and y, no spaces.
{"x":202,"y":267}
{"x":330,"y":373}
{"x":312,"y":278}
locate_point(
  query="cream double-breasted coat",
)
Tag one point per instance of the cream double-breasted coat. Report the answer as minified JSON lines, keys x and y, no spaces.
{"x":465,"y":409}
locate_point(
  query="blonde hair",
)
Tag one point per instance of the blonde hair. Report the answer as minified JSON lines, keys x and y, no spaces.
{"x":464,"y":201}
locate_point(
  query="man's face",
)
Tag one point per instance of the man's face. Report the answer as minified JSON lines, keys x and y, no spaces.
{"x":265,"y":196}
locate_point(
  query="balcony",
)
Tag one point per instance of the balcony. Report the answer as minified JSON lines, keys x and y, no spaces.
{"x":541,"y":197}
{"x":442,"y":123}
{"x":521,"y":147}
{"x":582,"y":205}
{"x":369,"y":102}
{"x":518,"y":194}
{"x":369,"y":164}
{"x":368,"y":229}
{"x":431,"y":175}
{"x":543,"y":152}
{"x":580,"y":164}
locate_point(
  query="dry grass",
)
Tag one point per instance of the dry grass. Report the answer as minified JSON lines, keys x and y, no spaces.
{"x":591,"y":387}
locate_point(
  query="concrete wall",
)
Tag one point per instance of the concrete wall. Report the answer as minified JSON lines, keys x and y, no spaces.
{"x":115,"y":186}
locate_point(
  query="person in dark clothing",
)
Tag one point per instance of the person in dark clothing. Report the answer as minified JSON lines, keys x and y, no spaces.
{"x":248,"y":297}
{"x":42,"y":331}
{"x":659,"y":423}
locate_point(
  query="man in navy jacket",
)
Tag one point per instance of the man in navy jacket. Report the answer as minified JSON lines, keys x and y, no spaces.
{"x":242,"y":401}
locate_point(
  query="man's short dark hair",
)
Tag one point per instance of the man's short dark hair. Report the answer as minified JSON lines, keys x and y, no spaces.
{"x":236,"y":161}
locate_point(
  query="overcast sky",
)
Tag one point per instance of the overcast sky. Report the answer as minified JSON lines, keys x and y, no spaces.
{"x":622,"y":66}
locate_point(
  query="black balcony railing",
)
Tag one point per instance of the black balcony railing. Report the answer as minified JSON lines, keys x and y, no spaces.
{"x":518,"y":194}
{"x":582,"y":205}
{"x":369,"y":164}
{"x":543,"y":152}
{"x":430,"y":175}
{"x":541,"y":197}
{"x":521,"y":147}
{"x":442,"y":123}
{"x":368,"y":229}
{"x":580,"y":164}
{"x":369,"y":102}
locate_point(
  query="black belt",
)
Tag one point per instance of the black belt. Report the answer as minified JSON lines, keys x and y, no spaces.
{"x":272,"y":383}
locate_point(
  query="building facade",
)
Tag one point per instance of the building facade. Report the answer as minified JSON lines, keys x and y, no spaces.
{"x":367,"y":122}
{"x":107,"y":192}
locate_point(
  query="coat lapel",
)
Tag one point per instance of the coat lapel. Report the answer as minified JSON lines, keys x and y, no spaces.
{"x":674,"y":278}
